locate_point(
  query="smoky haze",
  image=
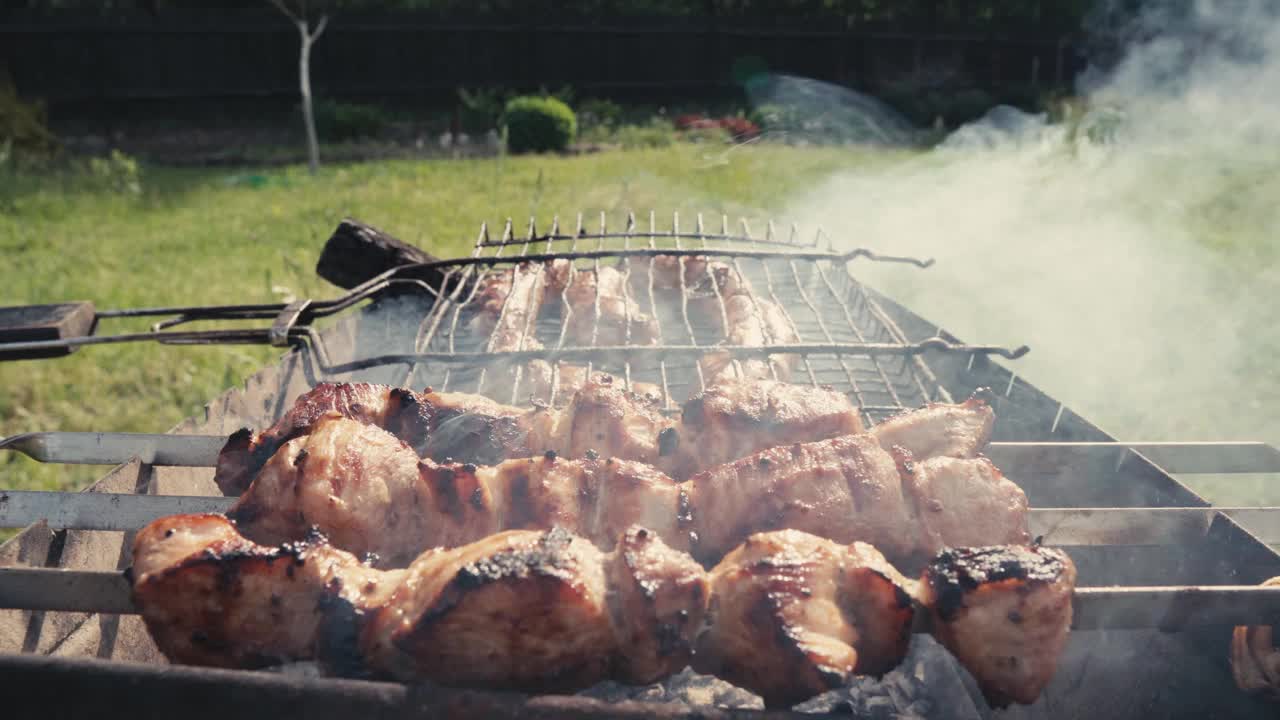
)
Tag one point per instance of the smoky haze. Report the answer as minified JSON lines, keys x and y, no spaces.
{"x":1132,"y":249}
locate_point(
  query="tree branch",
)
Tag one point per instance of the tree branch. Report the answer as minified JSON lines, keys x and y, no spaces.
{"x":282,"y":7}
{"x":320,"y":26}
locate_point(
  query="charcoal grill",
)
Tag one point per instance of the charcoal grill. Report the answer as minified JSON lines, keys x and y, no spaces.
{"x":1163,"y":577}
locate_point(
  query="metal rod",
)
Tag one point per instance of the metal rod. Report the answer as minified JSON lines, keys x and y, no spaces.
{"x":1014,"y":458}
{"x":1174,"y":457}
{"x":1094,"y":608}
{"x":658,"y":352}
{"x":110,"y":448}
{"x":1056,"y":526}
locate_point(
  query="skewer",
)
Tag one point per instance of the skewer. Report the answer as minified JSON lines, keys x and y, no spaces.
{"x":112,"y":448}
{"x":1167,"y":608}
{"x":1056,"y":526}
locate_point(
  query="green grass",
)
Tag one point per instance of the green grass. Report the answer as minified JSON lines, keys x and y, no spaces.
{"x":238,"y":236}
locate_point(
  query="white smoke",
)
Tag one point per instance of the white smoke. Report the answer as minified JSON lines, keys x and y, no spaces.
{"x":1133,"y":250}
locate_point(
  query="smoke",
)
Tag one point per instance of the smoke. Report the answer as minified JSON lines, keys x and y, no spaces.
{"x":1130,"y":247}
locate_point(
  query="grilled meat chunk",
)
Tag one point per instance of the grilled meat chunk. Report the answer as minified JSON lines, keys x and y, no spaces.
{"x":395,"y":409}
{"x":844,"y":489}
{"x":601,"y":310}
{"x":1255,"y":657}
{"x":1004,"y":612}
{"x":959,"y":430}
{"x":751,"y":322}
{"x":210,"y":597}
{"x":531,"y":611}
{"x":958,"y":502}
{"x":509,"y":302}
{"x":736,"y":418}
{"x":792,"y":615}
{"x":358,"y":483}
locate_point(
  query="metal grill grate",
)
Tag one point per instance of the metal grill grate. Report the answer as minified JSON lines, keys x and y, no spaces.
{"x":844,"y":339}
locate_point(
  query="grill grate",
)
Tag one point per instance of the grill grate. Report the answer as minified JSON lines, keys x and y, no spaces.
{"x":844,"y":339}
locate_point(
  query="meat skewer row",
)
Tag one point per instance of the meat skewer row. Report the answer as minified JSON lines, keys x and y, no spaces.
{"x":728,"y":421}
{"x":786,"y":615}
{"x":371,"y":493}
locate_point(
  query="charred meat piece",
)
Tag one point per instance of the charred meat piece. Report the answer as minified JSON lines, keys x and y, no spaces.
{"x":1255,"y":657}
{"x":792,"y":615}
{"x":394,"y":409}
{"x":736,"y":418}
{"x":940,"y":429}
{"x":210,"y":597}
{"x":1004,"y":612}
{"x":532,"y":611}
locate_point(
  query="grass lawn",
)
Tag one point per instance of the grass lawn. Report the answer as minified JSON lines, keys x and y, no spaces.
{"x":222,"y":236}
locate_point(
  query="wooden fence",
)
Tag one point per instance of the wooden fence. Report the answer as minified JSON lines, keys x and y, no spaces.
{"x":207,"y":57}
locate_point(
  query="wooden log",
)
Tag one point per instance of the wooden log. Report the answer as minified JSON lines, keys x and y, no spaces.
{"x":357,"y":252}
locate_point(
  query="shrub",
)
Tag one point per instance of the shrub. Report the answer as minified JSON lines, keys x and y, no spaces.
{"x":539,"y":124}
{"x":22,"y":124}
{"x":776,"y":117}
{"x":595,"y":113}
{"x":117,"y":173}
{"x":482,"y":108}
{"x":657,"y":134}
{"x":337,"y":121}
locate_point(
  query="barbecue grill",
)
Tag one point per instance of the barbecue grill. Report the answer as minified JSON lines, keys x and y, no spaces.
{"x":1162,"y":576}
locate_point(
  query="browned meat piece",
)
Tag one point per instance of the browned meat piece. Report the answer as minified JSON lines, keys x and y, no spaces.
{"x":394,"y":409}
{"x":845,"y":489}
{"x":738,"y":417}
{"x":751,"y":322}
{"x":602,"y":311}
{"x":568,"y":379}
{"x":532,"y":611}
{"x":508,"y":305}
{"x":606,"y":418}
{"x":960,"y":430}
{"x":964,"y":502}
{"x":1255,"y":657}
{"x":667,"y":271}
{"x":1004,"y":612}
{"x":792,"y":615}
{"x":210,"y":597}
{"x":358,"y":483}
{"x":658,"y":604}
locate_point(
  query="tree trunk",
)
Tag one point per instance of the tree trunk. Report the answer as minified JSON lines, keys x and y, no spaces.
{"x":304,"y":81}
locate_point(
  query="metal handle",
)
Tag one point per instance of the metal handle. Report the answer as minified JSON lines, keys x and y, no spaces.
{"x":22,"y":325}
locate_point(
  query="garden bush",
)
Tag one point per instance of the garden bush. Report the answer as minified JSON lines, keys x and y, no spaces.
{"x":539,"y":124}
{"x":338,"y":121}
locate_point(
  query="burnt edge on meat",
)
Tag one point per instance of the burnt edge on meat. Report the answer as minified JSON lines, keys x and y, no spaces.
{"x":955,"y":572}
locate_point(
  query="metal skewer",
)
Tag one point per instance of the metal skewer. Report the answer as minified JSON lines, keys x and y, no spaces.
{"x":1094,"y":608}
{"x":1055,"y":526}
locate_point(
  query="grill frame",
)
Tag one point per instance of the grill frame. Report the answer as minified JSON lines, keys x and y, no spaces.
{"x":1228,"y":555}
